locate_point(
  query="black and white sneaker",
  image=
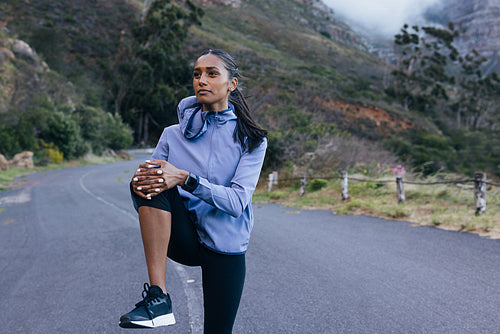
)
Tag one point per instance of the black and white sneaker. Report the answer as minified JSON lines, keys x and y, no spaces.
{"x":154,"y":310}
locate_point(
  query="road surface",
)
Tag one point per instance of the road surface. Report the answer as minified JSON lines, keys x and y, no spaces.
{"x":71,"y":261}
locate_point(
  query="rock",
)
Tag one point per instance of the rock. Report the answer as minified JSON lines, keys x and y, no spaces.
{"x":22,"y":160}
{"x":4,"y":164}
{"x":22,"y":50}
{"x":124,"y":155}
{"x":232,"y":3}
{"x":109,"y":153}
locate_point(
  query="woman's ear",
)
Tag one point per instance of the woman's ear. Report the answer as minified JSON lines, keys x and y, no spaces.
{"x":234,"y":84}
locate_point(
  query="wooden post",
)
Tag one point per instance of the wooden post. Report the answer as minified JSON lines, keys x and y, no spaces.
{"x":480,"y":192}
{"x":275,"y":177}
{"x":343,"y":185}
{"x":400,"y":188}
{"x":271,"y":182}
{"x":303,"y":184}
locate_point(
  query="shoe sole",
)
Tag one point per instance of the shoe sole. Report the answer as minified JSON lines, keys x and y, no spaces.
{"x":164,"y":320}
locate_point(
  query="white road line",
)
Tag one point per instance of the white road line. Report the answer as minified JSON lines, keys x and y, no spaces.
{"x":194,"y":303}
{"x":193,"y":300}
{"x":125,"y":212}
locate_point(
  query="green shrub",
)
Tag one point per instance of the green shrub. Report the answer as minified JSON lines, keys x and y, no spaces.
{"x":316,"y":184}
{"x":62,"y":130}
{"x":16,"y":138}
{"x":118,"y":135}
{"x":103,"y":130}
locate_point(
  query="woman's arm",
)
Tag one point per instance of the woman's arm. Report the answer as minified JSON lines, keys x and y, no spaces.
{"x":234,"y":199}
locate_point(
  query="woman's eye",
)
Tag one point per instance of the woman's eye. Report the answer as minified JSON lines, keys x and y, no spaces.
{"x":196,"y":74}
{"x":213,"y":74}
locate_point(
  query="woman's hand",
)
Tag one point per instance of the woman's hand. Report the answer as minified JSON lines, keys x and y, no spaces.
{"x":156,"y":176}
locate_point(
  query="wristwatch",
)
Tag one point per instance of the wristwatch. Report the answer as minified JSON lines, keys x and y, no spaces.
{"x":191,"y":182}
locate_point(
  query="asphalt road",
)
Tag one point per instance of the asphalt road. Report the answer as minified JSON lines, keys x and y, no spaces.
{"x":71,"y":261}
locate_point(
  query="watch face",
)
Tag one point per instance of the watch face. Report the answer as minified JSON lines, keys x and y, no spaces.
{"x":191,"y":181}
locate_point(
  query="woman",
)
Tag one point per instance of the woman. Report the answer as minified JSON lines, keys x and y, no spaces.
{"x":194,"y":196}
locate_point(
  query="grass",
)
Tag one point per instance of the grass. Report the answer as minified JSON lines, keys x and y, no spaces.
{"x":9,"y":178}
{"x":446,"y":206}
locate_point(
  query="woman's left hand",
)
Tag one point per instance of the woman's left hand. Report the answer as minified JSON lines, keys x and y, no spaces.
{"x":156,"y":176}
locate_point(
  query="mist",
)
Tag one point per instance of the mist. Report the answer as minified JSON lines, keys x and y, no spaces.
{"x":382,"y":17}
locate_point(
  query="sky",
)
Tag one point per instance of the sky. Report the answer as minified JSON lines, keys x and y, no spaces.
{"x":386,"y":17}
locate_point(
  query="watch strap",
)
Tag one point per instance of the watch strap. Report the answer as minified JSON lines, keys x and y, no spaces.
{"x":191,"y":182}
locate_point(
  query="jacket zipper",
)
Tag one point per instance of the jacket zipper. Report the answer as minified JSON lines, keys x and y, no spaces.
{"x":213,"y":128}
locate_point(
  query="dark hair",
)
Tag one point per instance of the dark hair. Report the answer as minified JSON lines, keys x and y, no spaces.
{"x":246,"y":127}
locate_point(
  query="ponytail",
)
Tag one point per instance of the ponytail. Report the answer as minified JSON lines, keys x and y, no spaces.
{"x":246,"y":127}
{"x":249,"y":134}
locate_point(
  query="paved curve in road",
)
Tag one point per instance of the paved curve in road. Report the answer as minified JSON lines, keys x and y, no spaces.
{"x":71,"y":261}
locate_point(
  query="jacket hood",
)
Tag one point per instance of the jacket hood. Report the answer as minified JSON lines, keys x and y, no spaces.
{"x":194,"y":121}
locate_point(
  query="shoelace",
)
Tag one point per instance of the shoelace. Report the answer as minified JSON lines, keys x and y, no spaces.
{"x":147,"y":299}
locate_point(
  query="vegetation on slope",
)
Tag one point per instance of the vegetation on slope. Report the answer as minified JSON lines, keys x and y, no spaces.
{"x":323,"y":97}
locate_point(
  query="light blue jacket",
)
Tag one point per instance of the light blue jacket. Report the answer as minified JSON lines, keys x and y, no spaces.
{"x":203,"y":143}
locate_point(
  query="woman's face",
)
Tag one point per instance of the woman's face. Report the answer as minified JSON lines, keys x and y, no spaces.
{"x":211,"y":82}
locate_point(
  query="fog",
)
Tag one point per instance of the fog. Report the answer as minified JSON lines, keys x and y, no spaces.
{"x":381,"y":17}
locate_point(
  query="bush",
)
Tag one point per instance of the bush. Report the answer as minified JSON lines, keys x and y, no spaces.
{"x":103,"y":130}
{"x":47,"y":153}
{"x":62,"y":130}
{"x":316,"y":184}
{"x":14,"y":139}
{"x":119,"y":135}
{"x":92,"y":123}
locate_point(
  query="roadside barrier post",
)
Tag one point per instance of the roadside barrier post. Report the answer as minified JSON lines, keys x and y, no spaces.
{"x":303,"y":184}
{"x":344,"y":184}
{"x":400,"y":188}
{"x":273,"y":179}
{"x":480,"y":192}
{"x":271,"y":182}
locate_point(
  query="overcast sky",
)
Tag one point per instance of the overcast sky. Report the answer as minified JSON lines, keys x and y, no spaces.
{"x":383,"y":16}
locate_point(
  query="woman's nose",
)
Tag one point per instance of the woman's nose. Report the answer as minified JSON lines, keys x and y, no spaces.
{"x":202,"y":79}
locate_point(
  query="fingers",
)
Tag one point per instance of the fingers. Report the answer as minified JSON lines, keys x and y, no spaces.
{"x":148,"y":180}
{"x":148,"y":187}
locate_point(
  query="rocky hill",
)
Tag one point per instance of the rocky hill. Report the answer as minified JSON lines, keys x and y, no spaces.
{"x":481,"y":19}
{"x":310,"y":79}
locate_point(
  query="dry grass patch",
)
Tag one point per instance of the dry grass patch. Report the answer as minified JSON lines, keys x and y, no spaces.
{"x":446,"y":206}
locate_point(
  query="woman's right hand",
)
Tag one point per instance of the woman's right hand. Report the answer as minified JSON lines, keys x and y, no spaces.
{"x":156,"y":176}
{"x":148,"y":180}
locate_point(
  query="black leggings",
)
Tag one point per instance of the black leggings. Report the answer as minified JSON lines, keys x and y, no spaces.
{"x":223,"y":275}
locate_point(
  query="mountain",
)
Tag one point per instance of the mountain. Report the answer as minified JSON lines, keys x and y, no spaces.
{"x":310,"y":78}
{"x":481,"y":20}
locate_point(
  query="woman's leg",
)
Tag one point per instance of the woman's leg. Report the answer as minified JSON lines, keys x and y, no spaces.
{"x":223,"y":280}
{"x":155,"y":231}
{"x":167,"y":228}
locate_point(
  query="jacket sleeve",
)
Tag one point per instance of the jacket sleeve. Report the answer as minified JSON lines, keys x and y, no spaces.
{"x":234,"y":199}
{"x":161,"y":150}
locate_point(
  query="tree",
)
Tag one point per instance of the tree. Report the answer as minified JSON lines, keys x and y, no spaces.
{"x":421,"y":75}
{"x":432,"y":77}
{"x":150,"y":72}
{"x":478,"y":101}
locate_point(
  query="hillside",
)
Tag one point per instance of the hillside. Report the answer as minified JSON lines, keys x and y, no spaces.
{"x":296,"y":71}
{"x":309,"y":77}
{"x":76,"y":38}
